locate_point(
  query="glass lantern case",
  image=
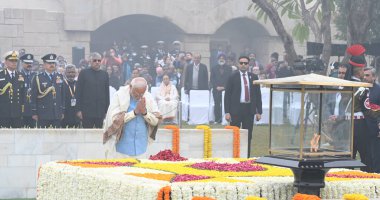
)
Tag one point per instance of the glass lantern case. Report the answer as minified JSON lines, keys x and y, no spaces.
{"x":314,"y":125}
{"x":311,"y":127}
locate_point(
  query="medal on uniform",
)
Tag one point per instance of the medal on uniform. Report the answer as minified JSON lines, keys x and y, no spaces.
{"x":58,"y":81}
{"x":54,"y":93}
{"x":28,"y":95}
{"x":73,"y":102}
{"x":20,"y":78}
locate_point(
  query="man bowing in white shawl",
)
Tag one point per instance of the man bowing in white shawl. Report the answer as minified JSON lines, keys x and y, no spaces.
{"x":131,"y":121}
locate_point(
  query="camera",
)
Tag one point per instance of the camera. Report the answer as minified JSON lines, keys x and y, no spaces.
{"x":309,"y":65}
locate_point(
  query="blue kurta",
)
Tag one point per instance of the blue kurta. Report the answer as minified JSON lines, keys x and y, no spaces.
{"x":134,"y":140}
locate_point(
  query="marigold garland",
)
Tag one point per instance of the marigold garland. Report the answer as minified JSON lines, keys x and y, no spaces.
{"x":353,"y":174}
{"x":236,"y":140}
{"x":207,"y":140}
{"x":355,"y":197}
{"x":164,"y":193}
{"x":300,"y":196}
{"x":175,"y":136}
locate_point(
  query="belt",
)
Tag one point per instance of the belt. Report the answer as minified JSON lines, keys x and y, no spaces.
{"x":357,"y":115}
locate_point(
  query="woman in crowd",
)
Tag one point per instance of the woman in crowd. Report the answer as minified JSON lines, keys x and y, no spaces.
{"x":135,"y":73}
{"x":167,"y":99}
{"x":111,"y":58}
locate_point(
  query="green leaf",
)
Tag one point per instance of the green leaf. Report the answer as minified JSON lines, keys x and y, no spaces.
{"x":250,"y":6}
{"x":308,"y":1}
{"x":301,"y":32}
{"x":282,"y":3}
{"x":260,"y":14}
{"x":293,"y":16}
{"x":265,"y":18}
{"x":297,"y":10}
{"x":257,"y":7}
{"x":319,"y":15}
{"x":291,"y":7}
{"x":332,"y":5}
{"x":283,"y":11}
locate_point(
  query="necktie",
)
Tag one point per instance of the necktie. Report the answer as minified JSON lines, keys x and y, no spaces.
{"x":246,"y":92}
{"x":51,"y":76}
{"x":12,"y":75}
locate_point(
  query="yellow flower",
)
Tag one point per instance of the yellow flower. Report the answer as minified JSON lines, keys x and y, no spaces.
{"x":355,"y":197}
{"x":207,"y":141}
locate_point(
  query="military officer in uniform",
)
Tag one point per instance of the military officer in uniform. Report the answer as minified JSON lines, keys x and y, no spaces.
{"x":144,"y":57}
{"x":160,"y":52}
{"x":357,"y":64}
{"x":26,"y":61}
{"x":371,"y":111}
{"x":176,"y":48}
{"x":47,"y":95}
{"x":11,"y":93}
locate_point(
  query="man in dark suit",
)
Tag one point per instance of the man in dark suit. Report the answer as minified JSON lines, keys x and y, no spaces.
{"x":26,"y":63}
{"x":93,"y":96}
{"x":218,"y":79}
{"x":196,"y":77}
{"x":47,"y":95}
{"x":11,"y":93}
{"x":242,"y":99}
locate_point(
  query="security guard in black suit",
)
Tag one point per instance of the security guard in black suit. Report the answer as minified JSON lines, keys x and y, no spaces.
{"x":11,"y":93}
{"x":26,"y":71}
{"x":48,"y":98}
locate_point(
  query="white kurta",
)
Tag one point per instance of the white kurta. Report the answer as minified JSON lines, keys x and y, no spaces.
{"x":168,"y":109}
{"x":120,"y":102}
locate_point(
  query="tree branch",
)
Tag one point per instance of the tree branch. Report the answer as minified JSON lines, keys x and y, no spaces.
{"x":326,"y":32}
{"x":314,"y":9}
{"x":279,"y":27}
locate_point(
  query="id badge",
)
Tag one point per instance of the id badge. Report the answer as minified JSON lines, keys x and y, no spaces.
{"x":73,"y":102}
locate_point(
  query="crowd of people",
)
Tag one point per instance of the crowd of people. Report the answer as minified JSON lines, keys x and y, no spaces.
{"x":68,"y":90}
{"x":56,"y":94}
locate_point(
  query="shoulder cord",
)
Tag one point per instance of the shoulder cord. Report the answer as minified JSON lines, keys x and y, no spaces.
{"x":49,"y":89}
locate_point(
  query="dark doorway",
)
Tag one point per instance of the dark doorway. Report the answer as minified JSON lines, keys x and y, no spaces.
{"x":136,"y":30}
{"x":240,"y":33}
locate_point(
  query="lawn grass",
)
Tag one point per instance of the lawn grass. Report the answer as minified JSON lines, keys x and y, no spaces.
{"x":260,"y":140}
